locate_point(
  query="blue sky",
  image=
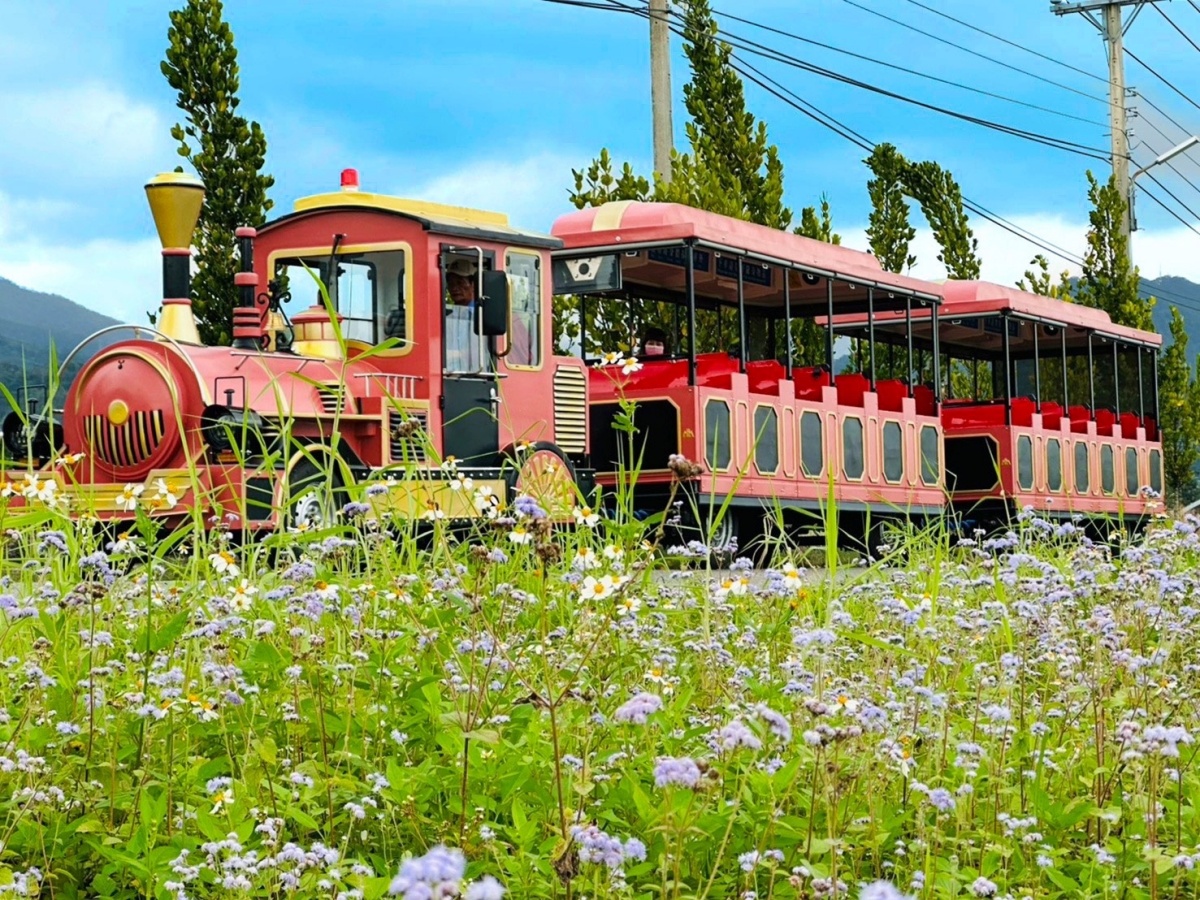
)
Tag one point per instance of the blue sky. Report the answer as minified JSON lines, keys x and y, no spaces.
{"x":491,"y":103}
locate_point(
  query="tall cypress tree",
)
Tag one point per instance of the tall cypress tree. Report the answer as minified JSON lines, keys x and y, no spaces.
{"x":942,"y":203}
{"x":1179,"y":405}
{"x":889,"y":231}
{"x":227,"y":151}
{"x":1110,"y":282}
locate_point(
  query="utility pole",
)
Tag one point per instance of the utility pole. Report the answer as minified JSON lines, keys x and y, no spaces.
{"x":660,"y":86}
{"x":1113,"y":30}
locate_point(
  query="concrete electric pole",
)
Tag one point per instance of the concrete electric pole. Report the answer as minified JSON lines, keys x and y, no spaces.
{"x":1106,"y":16}
{"x":660,"y":86}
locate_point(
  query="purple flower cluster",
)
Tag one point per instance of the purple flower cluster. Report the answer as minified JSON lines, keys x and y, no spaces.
{"x":777,"y":724}
{"x":525,"y":505}
{"x":436,"y":875}
{"x":736,"y":734}
{"x":638,"y":708}
{"x":603,"y":849}
{"x":681,"y":771}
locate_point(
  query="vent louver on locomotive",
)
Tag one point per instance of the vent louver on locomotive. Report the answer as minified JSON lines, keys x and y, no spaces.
{"x":408,"y":436}
{"x":570,"y":409}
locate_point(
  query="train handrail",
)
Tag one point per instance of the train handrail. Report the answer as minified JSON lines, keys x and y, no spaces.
{"x":150,"y":329}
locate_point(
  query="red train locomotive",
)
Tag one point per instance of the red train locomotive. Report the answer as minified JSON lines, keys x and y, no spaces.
{"x":437,"y":373}
{"x":423,"y":360}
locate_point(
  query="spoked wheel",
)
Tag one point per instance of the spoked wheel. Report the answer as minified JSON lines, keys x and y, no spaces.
{"x":543,"y":472}
{"x":312,"y":497}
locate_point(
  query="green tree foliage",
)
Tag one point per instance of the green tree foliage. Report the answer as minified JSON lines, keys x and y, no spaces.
{"x":226,"y":150}
{"x":942,"y":204}
{"x":889,"y":230}
{"x":731,"y":169}
{"x":1109,"y":281}
{"x":1179,"y":406}
{"x":1037,"y":280}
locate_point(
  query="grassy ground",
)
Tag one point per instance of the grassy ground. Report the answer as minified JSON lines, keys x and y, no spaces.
{"x":346,"y":714}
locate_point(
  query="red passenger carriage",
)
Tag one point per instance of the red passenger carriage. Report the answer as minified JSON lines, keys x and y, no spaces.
{"x":767,"y":431}
{"x":1050,"y":405}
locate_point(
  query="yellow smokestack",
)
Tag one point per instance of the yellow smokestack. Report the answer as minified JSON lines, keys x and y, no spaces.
{"x":175,"y":201}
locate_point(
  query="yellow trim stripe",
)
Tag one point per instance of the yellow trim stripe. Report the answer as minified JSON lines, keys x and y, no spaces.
{"x":425,"y":209}
{"x":609,"y":216}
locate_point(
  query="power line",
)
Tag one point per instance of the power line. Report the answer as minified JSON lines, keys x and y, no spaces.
{"x":762,"y":50}
{"x":1137,"y":59}
{"x":1169,"y":164}
{"x":779,"y":91}
{"x":991,"y":59}
{"x":1158,"y":109}
{"x":898,"y":68}
{"x":1172,"y":195}
{"x":1004,"y":40}
{"x":1171,"y":22}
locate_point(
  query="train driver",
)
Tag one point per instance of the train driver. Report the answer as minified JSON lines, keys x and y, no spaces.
{"x":464,"y":351}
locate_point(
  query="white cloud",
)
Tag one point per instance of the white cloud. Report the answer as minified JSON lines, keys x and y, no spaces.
{"x":531,"y":191}
{"x":89,"y":132}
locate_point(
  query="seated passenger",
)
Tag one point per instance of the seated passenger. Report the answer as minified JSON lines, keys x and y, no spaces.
{"x":654,"y":344}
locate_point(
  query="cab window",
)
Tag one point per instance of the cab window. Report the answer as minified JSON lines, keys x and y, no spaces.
{"x":524,"y":333}
{"x":367,"y":291}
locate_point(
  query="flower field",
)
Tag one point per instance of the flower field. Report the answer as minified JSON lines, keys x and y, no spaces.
{"x":535,"y":713}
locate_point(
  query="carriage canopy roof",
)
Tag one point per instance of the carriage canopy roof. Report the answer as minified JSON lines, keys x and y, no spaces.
{"x":972,"y":323}
{"x":651,"y":239}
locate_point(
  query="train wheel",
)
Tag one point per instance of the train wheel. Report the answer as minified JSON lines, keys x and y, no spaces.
{"x":723,"y":535}
{"x":543,"y":472}
{"x":312,"y":496}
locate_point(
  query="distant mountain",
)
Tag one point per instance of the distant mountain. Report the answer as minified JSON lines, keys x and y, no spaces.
{"x":30,"y":322}
{"x":1171,"y":291}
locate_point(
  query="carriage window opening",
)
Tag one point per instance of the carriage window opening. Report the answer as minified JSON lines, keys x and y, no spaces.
{"x":1156,"y":483}
{"x":1082,"y":467}
{"x":1108,"y":481}
{"x":893,"y":452}
{"x":524,"y":277}
{"x":766,"y":436}
{"x":852,"y":447}
{"x":1053,"y":465}
{"x":811,"y":450}
{"x":1025,"y":463}
{"x":931,"y":463}
{"x":717,"y":450}
{"x":1131,"y":472}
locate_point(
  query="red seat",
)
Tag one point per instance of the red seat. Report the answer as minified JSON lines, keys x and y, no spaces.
{"x":1052,"y":414}
{"x":1129,"y":424}
{"x":715,"y":369}
{"x":1105,"y":418}
{"x":1022,"y":411}
{"x":923,"y":395}
{"x":764,"y":376}
{"x":1151,"y":429}
{"x":850,"y":388}
{"x":1080,"y":416}
{"x":891,"y":395}
{"x":659,"y":374}
{"x":810,"y":382}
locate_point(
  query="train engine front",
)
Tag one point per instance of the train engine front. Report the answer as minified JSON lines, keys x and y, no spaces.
{"x":164,"y":425}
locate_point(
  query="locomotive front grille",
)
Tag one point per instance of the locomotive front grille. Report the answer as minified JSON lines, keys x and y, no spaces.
{"x":570,"y":409}
{"x":128,"y":444}
{"x":409,"y":436}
